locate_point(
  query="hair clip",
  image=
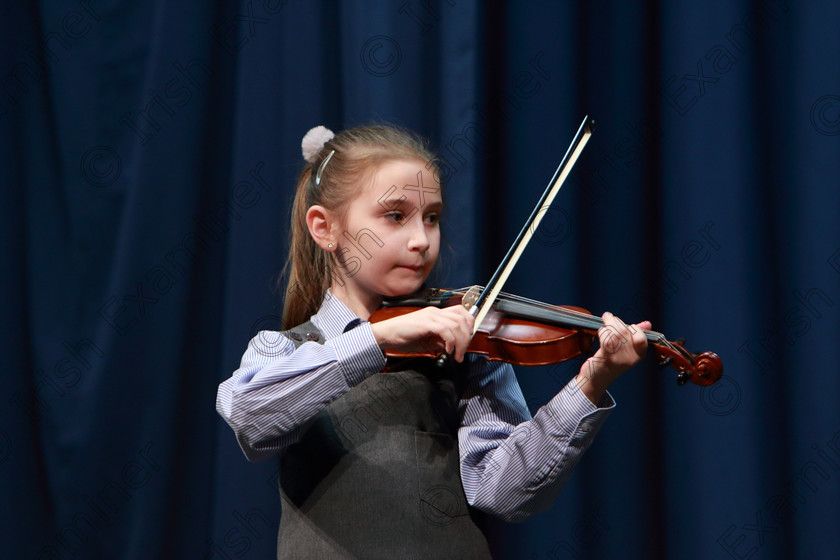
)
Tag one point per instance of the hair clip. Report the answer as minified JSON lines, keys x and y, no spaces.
{"x":322,"y":166}
{"x":314,"y":141}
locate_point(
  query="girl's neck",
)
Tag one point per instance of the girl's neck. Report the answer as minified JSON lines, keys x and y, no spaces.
{"x":362,"y":305}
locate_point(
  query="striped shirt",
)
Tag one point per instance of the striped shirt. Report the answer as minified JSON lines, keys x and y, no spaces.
{"x":512,"y":465}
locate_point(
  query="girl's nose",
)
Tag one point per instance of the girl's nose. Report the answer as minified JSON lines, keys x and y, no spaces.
{"x":418,"y":238}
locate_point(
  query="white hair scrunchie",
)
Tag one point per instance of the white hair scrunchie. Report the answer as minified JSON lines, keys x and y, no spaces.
{"x":313,"y":142}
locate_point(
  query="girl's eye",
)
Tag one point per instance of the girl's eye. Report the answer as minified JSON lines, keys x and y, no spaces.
{"x":432,"y":218}
{"x":396,"y":217}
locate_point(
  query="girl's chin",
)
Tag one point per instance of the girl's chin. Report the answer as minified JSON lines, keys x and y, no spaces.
{"x":399,"y":289}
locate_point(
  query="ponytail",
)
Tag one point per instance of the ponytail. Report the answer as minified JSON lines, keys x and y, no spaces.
{"x":307,"y":266}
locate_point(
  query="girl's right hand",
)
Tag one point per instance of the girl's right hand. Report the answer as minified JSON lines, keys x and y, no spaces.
{"x":433,"y":329}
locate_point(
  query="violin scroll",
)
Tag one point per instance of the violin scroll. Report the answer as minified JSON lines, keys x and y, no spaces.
{"x":701,"y":369}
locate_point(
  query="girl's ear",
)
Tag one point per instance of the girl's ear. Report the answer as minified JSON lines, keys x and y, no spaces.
{"x":321,"y":224}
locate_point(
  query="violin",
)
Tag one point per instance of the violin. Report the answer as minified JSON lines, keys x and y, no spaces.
{"x":526,"y":332}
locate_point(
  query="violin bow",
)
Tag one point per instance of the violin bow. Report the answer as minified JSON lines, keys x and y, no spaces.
{"x":481,"y":306}
{"x":701,"y":369}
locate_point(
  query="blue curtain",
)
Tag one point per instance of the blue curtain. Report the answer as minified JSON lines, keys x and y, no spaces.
{"x":148,"y":153}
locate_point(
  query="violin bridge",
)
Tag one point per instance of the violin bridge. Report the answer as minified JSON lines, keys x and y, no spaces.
{"x":471,"y":297}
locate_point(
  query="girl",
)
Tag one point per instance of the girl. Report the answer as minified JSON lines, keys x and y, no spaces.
{"x":390,"y":465}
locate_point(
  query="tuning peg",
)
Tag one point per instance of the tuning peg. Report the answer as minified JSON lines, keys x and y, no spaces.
{"x":664,"y":363}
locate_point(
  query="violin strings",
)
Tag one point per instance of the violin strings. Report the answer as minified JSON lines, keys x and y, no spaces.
{"x":576,"y":317}
{"x":584,"y":318}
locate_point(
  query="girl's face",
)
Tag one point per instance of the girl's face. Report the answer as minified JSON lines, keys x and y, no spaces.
{"x":389,"y":238}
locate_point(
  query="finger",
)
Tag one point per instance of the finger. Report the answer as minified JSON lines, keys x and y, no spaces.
{"x":626,"y":330}
{"x":441,"y":326}
{"x":449,"y":331}
{"x":611,"y":339}
{"x":636,"y":332}
{"x":463,"y":336}
{"x":449,"y":342}
{"x":462,"y":322}
{"x":639,"y":329}
{"x":462,"y":316}
{"x":616,"y":347}
{"x":610,"y":335}
{"x":469,"y":322}
{"x":640,"y":341}
{"x":434,"y":335}
{"x":441,"y":334}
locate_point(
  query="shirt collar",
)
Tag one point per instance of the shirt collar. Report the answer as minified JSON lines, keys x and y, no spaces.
{"x":333,"y":316}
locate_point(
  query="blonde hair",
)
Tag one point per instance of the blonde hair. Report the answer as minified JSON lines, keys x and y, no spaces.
{"x":358,"y":153}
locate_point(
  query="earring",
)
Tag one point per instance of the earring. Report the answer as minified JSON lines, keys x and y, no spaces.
{"x":330,"y":245}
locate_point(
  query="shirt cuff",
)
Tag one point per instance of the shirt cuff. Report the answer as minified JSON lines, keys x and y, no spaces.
{"x":358,"y":354}
{"x":575,"y":414}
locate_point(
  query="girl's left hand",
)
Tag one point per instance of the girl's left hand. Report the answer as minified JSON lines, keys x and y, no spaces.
{"x":622,"y":347}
